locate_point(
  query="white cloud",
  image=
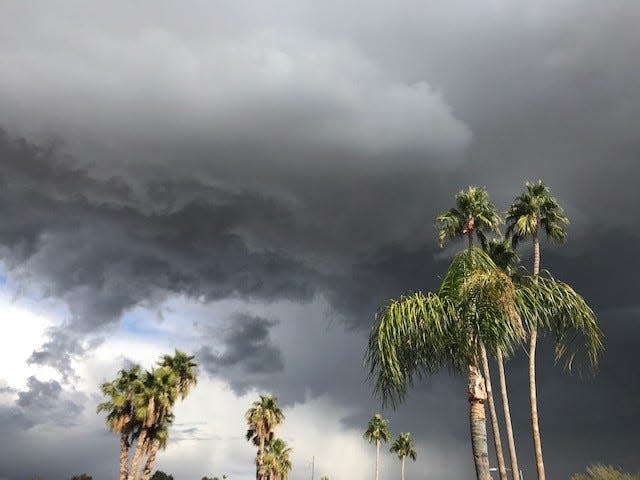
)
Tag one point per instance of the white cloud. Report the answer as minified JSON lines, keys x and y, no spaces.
{"x":24,"y":332}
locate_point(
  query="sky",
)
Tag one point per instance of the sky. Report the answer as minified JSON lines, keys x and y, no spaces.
{"x":248,"y":181}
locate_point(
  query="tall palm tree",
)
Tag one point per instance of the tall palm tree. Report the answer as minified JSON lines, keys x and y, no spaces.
{"x":533,"y":209}
{"x":474,"y":213}
{"x":506,"y":259}
{"x":120,"y":416}
{"x":377,"y":431}
{"x":277,"y":462}
{"x":263,"y":417}
{"x":403,"y":447}
{"x":154,"y":397}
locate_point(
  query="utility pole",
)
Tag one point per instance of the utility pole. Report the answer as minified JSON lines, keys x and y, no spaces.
{"x":313,"y":466}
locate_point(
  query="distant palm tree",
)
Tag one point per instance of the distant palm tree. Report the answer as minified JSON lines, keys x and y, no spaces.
{"x":120,"y":416}
{"x":531,"y":210}
{"x":474,"y":213}
{"x":276,"y":461}
{"x":263,"y":418}
{"x":403,"y":447}
{"x":377,"y":431}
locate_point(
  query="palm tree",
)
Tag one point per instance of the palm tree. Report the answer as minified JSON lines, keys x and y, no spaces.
{"x":276,"y":464}
{"x":403,"y":447}
{"x":474,"y":213}
{"x":154,"y":397}
{"x":506,"y":259}
{"x":530,"y":210}
{"x":174,"y":377}
{"x":420,"y":334}
{"x":263,"y":417}
{"x":377,"y":431}
{"x":120,"y":418}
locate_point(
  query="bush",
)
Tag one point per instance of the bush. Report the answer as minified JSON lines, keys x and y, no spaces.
{"x":604,"y":472}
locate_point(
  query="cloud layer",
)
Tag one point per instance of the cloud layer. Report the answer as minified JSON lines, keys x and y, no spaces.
{"x":250,"y":181}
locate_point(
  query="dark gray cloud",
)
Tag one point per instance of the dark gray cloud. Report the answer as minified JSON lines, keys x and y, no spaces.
{"x":42,"y":402}
{"x":248,"y":347}
{"x":301,"y":151}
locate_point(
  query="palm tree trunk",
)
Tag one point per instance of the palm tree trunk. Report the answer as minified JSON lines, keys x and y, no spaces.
{"x":377,"y":457}
{"x":536,"y":255}
{"x":507,"y":418}
{"x":477,"y":420}
{"x":259,"y":459}
{"x":124,"y":456}
{"x":151,"y":458}
{"x":402,"y":469}
{"x":502,"y":468}
{"x":137,"y":456}
{"x":535,"y":427}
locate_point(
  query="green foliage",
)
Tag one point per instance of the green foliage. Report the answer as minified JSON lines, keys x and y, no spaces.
{"x":532,"y":209}
{"x":604,"y":472}
{"x":403,"y":447}
{"x":419,"y":334}
{"x":377,"y":429}
{"x":160,"y":475}
{"x":473,"y":213}
{"x":477,"y":304}
{"x":262,"y":418}
{"x":276,"y":461}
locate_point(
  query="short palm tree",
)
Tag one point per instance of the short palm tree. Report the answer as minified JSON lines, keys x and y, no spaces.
{"x":120,"y":416}
{"x":277,"y":462}
{"x":403,"y":447}
{"x":377,"y":431}
{"x":475,"y":214}
{"x":531,"y":210}
{"x":263,"y":417}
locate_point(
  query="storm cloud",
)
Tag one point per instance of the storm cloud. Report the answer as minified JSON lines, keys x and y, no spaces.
{"x":281,"y":165}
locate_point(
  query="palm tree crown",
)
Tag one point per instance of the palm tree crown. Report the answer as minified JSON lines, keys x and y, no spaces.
{"x":183,"y":366}
{"x":532,"y":209}
{"x":473,"y":213}
{"x":263,"y":417}
{"x":377,"y":429}
{"x":119,"y":404}
{"x":403,"y":447}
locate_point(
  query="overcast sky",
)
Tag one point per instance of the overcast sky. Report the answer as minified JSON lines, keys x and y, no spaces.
{"x":249,"y":180}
